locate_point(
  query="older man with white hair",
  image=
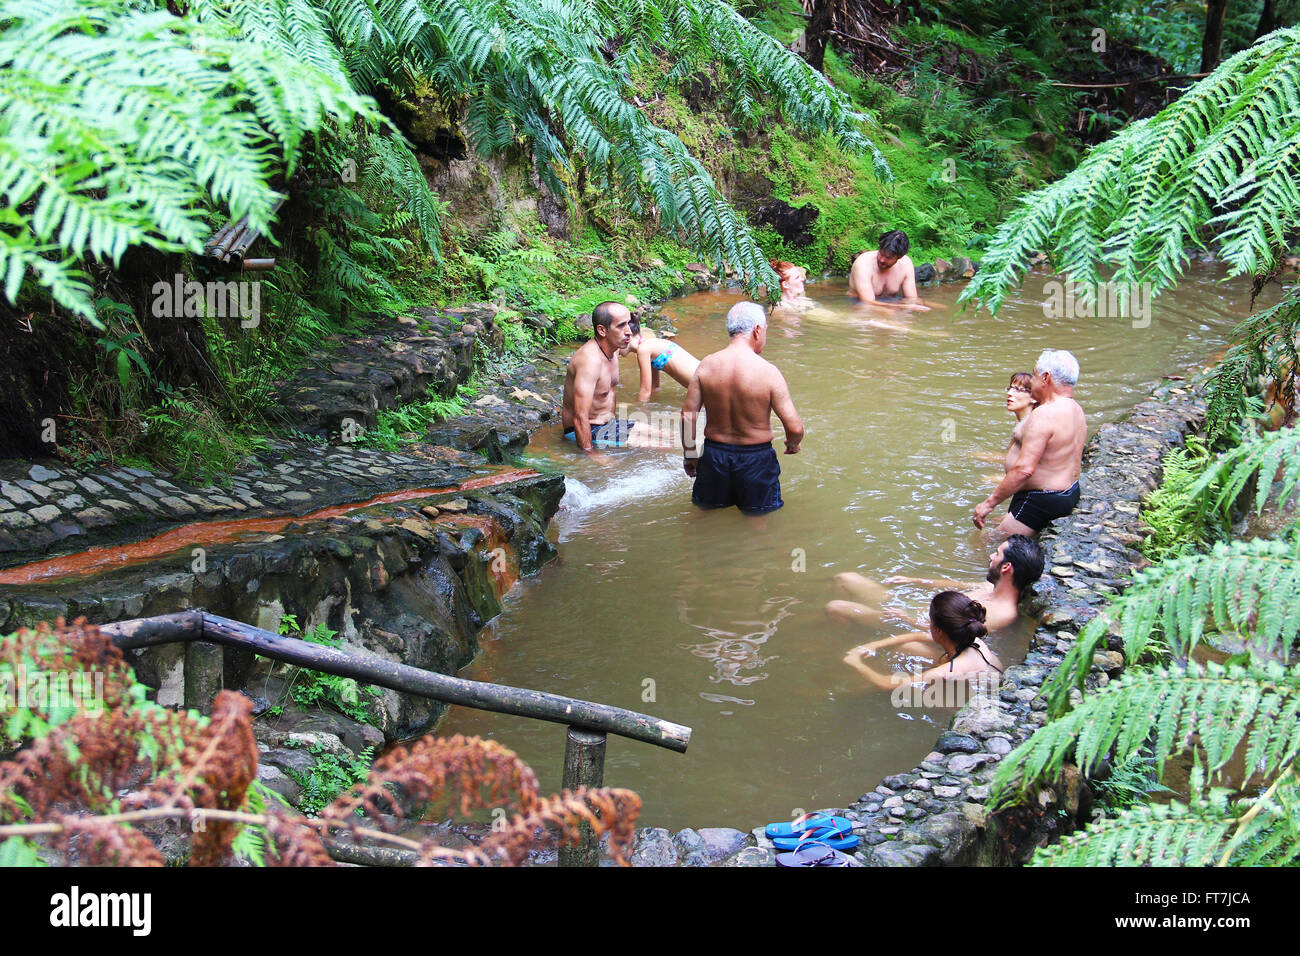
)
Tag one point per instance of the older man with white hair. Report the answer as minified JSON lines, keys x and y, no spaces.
{"x":739,"y":391}
{"x":1043,"y":484}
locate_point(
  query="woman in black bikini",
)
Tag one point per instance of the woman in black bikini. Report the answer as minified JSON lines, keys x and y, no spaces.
{"x":956,"y":645}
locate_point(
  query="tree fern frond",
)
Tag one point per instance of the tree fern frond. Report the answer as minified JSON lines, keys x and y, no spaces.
{"x":1156,"y":835}
{"x":1271,"y":459}
{"x":1219,"y":704}
{"x":1249,"y":589}
{"x":1223,"y":153}
{"x":120,"y":125}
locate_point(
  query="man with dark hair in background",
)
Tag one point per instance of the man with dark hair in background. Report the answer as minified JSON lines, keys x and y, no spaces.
{"x":1014,"y":565}
{"x":592,"y":378}
{"x":885,"y":275}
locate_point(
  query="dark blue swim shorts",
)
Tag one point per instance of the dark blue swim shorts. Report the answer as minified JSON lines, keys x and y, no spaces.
{"x":747,"y":476}
{"x":612,"y":433}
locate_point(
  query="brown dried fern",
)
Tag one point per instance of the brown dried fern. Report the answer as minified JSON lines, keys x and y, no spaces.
{"x":606,"y":810}
{"x":168,"y":766}
{"x":434,"y":767}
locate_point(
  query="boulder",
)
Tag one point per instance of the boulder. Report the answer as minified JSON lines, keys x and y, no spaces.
{"x":791,"y":223}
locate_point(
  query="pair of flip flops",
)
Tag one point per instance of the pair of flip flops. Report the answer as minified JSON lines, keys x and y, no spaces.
{"x":811,"y":852}
{"x":812,"y":839}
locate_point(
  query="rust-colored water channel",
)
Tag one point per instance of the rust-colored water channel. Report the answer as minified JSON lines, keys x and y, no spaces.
{"x":210,"y":533}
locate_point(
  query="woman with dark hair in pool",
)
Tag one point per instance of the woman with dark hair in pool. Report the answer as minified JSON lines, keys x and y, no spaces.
{"x":956,"y":646}
{"x":653,"y":354}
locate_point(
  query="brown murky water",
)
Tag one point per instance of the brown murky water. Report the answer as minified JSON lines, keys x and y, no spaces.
{"x":716,"y":622}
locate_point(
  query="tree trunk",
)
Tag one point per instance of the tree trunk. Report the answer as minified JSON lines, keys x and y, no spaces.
{"x":1268,"y":21}
{"x":815,"y":36}
{"x":1212,"y":45}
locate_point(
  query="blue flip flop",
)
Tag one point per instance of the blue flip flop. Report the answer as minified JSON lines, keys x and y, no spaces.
{"x":814,"y":853}
{"x":841,"y":841}
{"x":833,"y":826}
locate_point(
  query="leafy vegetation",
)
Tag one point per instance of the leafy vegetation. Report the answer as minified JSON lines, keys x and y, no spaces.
{"x":330,"y":776}
{"x":1219,"y":163}
{"x":310,"y":688}
{"x":1173,"y":511}
{"x":1222,"y":156}
{"x":1245,"y":596}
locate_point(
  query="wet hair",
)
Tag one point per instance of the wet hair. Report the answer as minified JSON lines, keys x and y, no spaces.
{"x":744,"y":317}
{"x":1061,"y":365}
{"x":602,"y":315}
{"x":1022,"y":380}
{"x":959,"y":617}
{"x":784,"y":269}
{"x":1026,"y":558}
{"x":894,"y":243}
{"x":634,"y":326}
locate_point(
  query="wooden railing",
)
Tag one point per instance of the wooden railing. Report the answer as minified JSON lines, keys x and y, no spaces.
{"x":588,"y":723}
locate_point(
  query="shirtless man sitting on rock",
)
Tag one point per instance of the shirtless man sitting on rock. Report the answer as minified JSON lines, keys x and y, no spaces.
{"x":1043,"y":484}
{"x":886,"y":276}
{"x":739,"y":391}
{"x":590,"y":385}
{"x":1013,"y":566}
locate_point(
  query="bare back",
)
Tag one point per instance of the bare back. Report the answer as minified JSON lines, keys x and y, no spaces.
{"x":1002,"y":609}
{"x":1061,"y":426}
{"x":737,"y":389}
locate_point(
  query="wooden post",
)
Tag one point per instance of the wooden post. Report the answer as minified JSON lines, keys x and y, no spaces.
{"x":584,"y":766}
{"x":203,"y":675}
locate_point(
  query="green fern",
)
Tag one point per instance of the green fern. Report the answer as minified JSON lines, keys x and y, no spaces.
{"x":1250,"y":589}
{"x":1172,"y":511}
{"x":1265,"y":346}
{"x":1269,"y":459}
{"x":99,"y":153}
{"x":1258,"y":705}
{"x":1225,"y":154}
{"x":1211,"y":830}
{"x":1158,"y":835}
{"x":537,"y":71}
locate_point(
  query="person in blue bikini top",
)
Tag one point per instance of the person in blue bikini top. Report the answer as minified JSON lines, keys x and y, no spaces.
{"x":654,"y":355}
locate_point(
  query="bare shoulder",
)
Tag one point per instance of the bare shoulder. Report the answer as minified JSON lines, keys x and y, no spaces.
{"x":588,"y":358}
{"x":767,"y":368}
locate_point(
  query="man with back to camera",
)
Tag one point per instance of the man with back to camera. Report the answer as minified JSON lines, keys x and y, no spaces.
{"x":1043,"y":484}
{"x":886,"y":276}
{"x":739,"y":391}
